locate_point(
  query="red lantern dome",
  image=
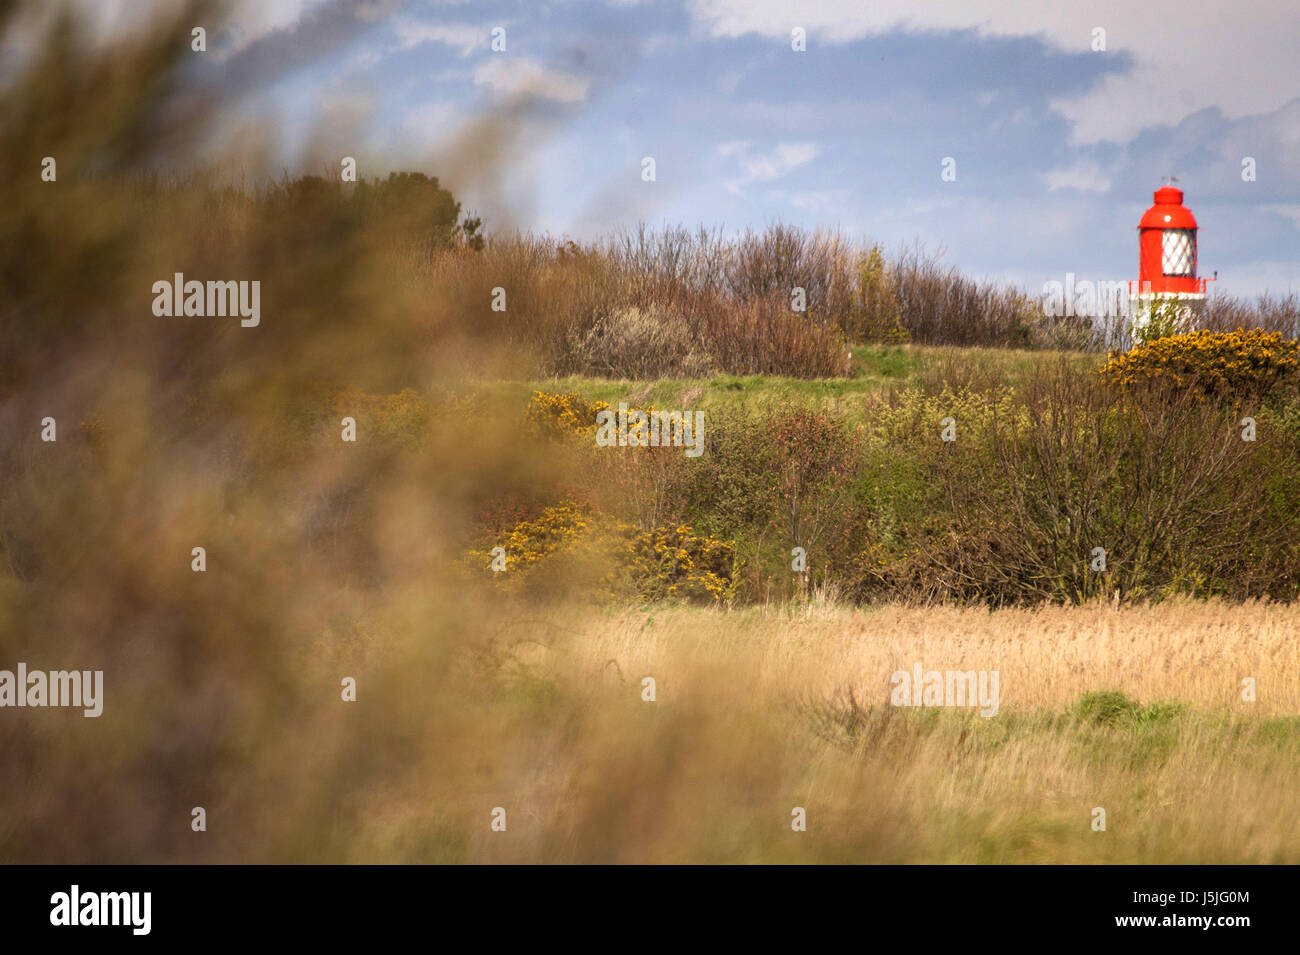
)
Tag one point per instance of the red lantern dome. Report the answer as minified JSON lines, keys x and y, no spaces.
{"x":1167,"y":243}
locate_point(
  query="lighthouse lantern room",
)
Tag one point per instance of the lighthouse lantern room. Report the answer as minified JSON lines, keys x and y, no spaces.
{"x":1166,"y":296}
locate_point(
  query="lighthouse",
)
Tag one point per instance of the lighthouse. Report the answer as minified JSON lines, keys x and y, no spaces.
{"x":1167,"y":295}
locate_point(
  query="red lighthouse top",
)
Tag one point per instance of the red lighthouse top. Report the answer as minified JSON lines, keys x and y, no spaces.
{"x":1167,"y":243}
{"x":1168,"y":212}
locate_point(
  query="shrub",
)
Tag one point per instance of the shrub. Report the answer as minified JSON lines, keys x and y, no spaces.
{"x":632,"y":310}
{"x":676,"y":563}
{"x":664,"y":563}
{"x":531,"y":542}
{"x":641,"y":344}
{"x":636,"y":482}
{"x":1106,"y":707}
{"x":816,"y":457}
{"x":730,"y":493}
{"x":876,"y":316}
{"x":941,"y":306}
{"x":1113,"y":708}
{"x":1176,"y":499}
{"x":563,"y":413}
{"x":766,"y":338}
{"x":1247,"y":365}
{"x":1223,"y":313}
{"x":1165,"y":318}
{"x":402,"y":417}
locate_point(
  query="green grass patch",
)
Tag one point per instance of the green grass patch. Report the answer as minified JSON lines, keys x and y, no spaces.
{"x":876,"y":369}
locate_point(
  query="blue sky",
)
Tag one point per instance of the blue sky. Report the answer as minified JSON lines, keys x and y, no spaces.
{"x":1058,"y":146}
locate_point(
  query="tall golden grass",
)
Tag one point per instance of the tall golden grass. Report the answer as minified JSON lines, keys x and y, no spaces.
{"x":466,"y":704}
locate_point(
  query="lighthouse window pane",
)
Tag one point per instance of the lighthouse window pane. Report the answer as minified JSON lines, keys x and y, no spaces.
{"x":1179,"y":252}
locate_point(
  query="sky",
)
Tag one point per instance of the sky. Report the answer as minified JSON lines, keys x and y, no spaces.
{"x":1060,"y":118}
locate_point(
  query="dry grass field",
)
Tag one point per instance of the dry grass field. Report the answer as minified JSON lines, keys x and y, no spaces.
{"x":758,"y":712}
{"x":753,"y":716}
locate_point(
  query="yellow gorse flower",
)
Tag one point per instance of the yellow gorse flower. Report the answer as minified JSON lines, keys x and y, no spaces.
{"x":665,"y":562}
{"x":1220,"y":363}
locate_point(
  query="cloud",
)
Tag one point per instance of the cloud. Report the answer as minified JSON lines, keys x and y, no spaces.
{"x":289,"y":35}
{"x":517,"y":76}
{"x":1244,"y":63}
{"x":463,"y":37}
{"x":1082,"y":177}
{"x":243,"y":21}
{"x":780,"y":162}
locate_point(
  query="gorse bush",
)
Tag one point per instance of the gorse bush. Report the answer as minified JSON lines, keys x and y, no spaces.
{"x":563,"y":413}
{"x":530,"y":542}
{"x":1241,"y":365}
{"x":674,"y":563}
{"x":568,"y":545}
